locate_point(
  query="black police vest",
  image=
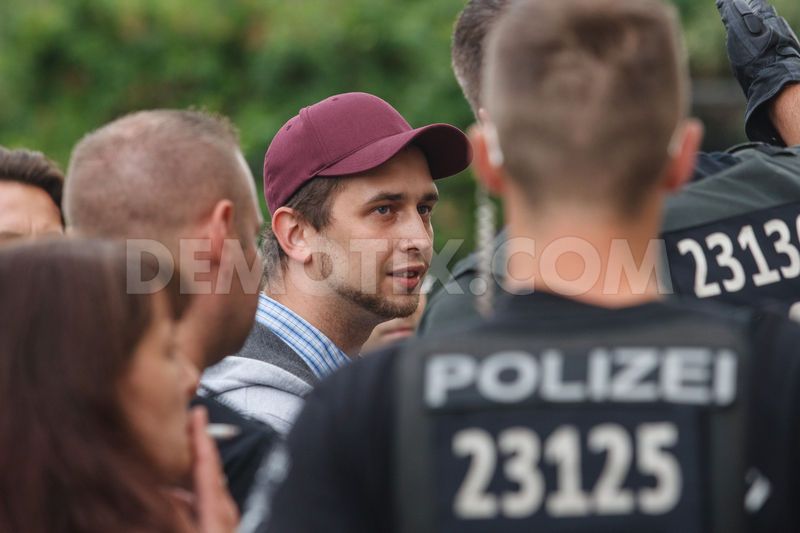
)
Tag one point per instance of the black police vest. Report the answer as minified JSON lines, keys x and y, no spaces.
{"x":735,"y":236}
{"x":554,"y":429}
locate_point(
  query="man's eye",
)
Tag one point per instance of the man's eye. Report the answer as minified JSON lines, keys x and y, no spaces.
{"x":424,"y":209}
{"x":383,"y":210}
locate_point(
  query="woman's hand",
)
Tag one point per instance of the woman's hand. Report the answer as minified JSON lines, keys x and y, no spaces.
{"x":214,"y":509}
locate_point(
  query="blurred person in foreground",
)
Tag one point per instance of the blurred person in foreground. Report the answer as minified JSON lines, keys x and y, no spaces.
{"x":95,"y":431}
{"x":588,"y":402}
{"x":729,"y":233}
{"x":175,"y":183}
{"x":30,"y":195}
{"x":350,"y":187}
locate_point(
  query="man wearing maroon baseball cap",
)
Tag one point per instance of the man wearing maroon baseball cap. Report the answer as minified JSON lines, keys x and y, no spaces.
{"x":350,"y":187}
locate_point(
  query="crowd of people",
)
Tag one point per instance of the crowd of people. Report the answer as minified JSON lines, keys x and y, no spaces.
{"x":619,"y":357}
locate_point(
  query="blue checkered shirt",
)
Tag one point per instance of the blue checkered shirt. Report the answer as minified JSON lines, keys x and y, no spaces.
{"x":320,"y":354}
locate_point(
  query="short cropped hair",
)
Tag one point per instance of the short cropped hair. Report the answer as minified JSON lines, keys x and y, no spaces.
{"x":34,"y":169}
{"x":586,"y":96}
{"x":467,"y":50}
{"x":148,"y":174}
{"x":312,"y":203}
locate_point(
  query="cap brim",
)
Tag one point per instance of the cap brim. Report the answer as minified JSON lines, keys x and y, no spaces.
{"x":446,"y":148}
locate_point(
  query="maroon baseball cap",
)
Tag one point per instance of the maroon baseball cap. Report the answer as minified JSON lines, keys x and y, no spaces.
{"x":351,"y":133}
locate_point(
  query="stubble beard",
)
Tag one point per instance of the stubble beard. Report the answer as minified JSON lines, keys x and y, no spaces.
{"x":372,"y":302}
{"x":379,"y":305}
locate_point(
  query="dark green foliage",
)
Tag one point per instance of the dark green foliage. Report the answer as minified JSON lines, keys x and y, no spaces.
{"x":68,"y":66}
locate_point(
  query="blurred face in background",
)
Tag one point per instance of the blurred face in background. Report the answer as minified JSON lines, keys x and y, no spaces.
{"x":27,"y":211}
{"x":155,"y":394}
{"x":396,"y":329}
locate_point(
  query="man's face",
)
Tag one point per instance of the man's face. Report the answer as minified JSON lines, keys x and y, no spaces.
{"x":379,"y":242}
{"x":27,"y":211}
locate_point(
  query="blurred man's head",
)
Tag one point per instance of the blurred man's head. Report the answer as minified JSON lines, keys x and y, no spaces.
{"x":589,"y":99}
{"x":30,"y":195}
{"x":469,"y":41}
{"x":350,"y":185}
{"x":179,"y":178}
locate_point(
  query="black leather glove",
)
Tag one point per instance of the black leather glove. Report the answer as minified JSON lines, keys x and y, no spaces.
{"x":765,"y":56}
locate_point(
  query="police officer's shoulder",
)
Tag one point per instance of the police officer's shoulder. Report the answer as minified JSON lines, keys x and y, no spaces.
{"x":764,"y":325}
{"x":466,"y":269}
{"x":710,"y":310}
{"x":458,"y":286}
{"x":445,"y":308}
{"x":711,"y":164}
{"x":756,"y":149}
{"x":462,"y":274}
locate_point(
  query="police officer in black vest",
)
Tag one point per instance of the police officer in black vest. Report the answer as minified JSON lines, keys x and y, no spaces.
{"x":590,"y":401}
{"x":731,"y":234}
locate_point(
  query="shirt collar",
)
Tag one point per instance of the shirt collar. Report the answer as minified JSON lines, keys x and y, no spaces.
{"x":320,"y":353}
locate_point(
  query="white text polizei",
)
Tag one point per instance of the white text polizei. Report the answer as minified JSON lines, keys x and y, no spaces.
{"x":699,"y":376}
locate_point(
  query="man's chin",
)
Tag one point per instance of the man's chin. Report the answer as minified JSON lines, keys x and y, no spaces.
{"x":401,"y":305}
{"x":385,"y":307}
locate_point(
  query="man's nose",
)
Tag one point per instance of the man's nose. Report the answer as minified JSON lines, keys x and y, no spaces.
{"x":416,"y":236}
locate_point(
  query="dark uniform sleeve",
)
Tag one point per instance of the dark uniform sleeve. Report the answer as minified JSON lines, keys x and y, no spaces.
{"x":775,"y":423}
{"x":340,"y":455}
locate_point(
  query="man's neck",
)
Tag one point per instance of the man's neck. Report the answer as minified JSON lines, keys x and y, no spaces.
{"x":587,"y":256}
{"x":347,"y":327}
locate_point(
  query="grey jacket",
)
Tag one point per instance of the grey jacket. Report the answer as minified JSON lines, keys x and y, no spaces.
{"x":265,"y":380}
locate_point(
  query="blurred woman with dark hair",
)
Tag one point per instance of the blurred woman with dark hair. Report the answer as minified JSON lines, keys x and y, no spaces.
{"x":95,"y":431}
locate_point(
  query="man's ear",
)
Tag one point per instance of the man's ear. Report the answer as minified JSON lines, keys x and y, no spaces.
{"x":220,"y":227}
{"x":487,"y":161}
{"x":292,"y":233}
{"x":683,"y":154}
